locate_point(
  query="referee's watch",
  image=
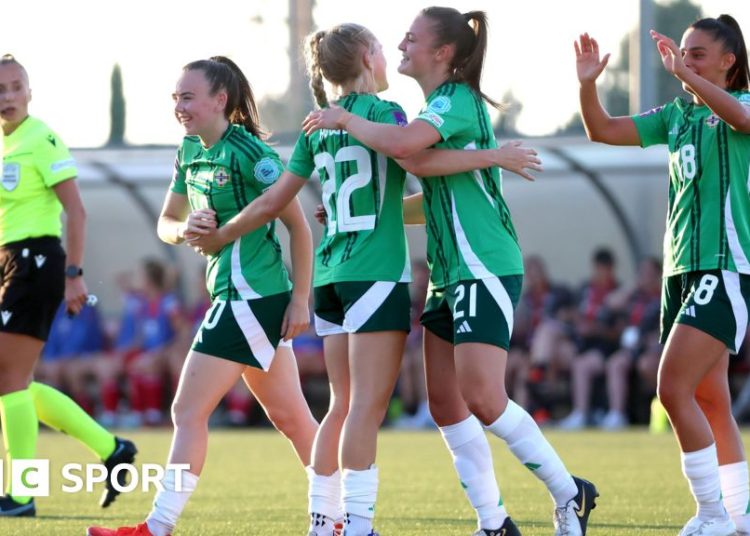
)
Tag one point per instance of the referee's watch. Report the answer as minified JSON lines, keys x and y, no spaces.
{"x":72,"y":271}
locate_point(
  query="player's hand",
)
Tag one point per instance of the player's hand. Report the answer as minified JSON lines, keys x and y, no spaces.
{"x":334,"y":117}
{"x":321,"y":215}
{"x":296,"y":319}
{"x":199,"y":222}
{"x":76,"y":294}
{"x":209,"y":243}
{"x":518,"y":159}
{"x":588,"y":65}
{"x":671,"y":57}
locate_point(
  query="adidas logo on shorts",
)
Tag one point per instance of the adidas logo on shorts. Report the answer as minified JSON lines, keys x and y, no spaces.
{"x":464,"y":327}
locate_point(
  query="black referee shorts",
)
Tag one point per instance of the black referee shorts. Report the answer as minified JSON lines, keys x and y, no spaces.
{"x":32,"y":285}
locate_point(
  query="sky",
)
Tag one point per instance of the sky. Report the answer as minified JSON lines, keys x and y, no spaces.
{"x":69,"y":52}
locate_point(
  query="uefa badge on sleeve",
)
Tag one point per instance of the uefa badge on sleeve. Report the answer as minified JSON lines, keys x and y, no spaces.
{"x":267,"y":171}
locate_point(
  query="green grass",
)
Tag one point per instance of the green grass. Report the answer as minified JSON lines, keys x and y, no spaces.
{"x":253,"y":485}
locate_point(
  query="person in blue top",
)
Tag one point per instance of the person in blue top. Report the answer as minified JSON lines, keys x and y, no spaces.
{"x":71,"y":351}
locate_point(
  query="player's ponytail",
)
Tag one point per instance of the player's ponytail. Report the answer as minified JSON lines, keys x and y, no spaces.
{"x":223,"y":74}
{"x":241,"y":108}
{"x":468,"y":33}
{"x":336,"y":55}
{"x":312,"y":53}
{"x":726,"y":30}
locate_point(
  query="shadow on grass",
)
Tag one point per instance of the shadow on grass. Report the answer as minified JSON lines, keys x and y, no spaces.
{"x":453,"y":522}
{"x":47,"y":517}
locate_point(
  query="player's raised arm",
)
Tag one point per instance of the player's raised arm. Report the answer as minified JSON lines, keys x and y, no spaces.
{"x":600,"y":126}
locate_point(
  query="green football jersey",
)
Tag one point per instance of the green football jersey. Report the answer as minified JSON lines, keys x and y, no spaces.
{"x":470,"y":234}
{"x":226,"y":177}
{"x":708,"y":216}
{"x":34,"y":161}
{"x":362,"y":193}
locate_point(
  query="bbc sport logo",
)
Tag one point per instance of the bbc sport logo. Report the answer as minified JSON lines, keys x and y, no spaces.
{"x":31,"y":478}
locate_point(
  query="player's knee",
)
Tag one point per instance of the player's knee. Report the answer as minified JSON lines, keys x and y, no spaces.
{"x":285,"y":421}
{"x":671,"y":395}
{"x":371,"y":410}
{"x":339,"y":404}
{"x":186,"y":414}
{"x":487,"y":411}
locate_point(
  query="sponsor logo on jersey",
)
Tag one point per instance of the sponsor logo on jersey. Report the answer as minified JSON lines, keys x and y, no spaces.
{"x":400,"y":118}
{"x":433,"y":118}
{"x":745,"y":99}
{"x":267,"y":171}
{"x":52,"y":140}
{"x":440,"y":105}
{"x":652,"y":111}
{"x":221,"y":177}
{"x":712,"y":120}
{"x":11,"y":175}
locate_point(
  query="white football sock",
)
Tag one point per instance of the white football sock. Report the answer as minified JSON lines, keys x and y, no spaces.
{"x":169,"y":503}
{"x":525,"y":440}
{"x":472,"y":459}
{"x":324,"y":500}
{"x":359,"y":490}
{"x":735,"y":492}
{"x":701,"y":468}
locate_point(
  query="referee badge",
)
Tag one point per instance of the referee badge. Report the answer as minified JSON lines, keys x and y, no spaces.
{"x":11,"y":175}
{"x":221,"y":177}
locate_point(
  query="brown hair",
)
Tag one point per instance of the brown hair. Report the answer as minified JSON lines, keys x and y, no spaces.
{"x":10,"y":59}
{"x":223,"y":73}
{"x":156,"y":272}
{"x":334,"y":55}
{"x":468,"y":32}
{"x":725,"y":29}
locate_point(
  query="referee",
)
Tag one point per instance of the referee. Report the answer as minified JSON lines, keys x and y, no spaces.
{"x":35,"y":275}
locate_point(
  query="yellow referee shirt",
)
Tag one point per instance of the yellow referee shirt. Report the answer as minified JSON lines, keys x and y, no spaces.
{"x":34,"y":160}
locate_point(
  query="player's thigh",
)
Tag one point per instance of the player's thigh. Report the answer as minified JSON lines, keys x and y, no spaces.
{"x":374,"y":364}
{"x":447,"y":405}
{"x":204,"y":381}
{"x":279,"y":387}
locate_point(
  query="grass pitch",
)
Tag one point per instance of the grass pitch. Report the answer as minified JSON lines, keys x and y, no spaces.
{"x":253,"y":485}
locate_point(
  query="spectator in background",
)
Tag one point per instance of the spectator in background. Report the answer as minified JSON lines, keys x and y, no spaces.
{"x":411,"y":383}
{"x":163,"y":327}
{"x":152,"y":328}
{"x":68,"y":355}
{"x":126,"y":343}
{"x":569,"y":331}
{"x":531,"y":311}
{"x":617,"y":321}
